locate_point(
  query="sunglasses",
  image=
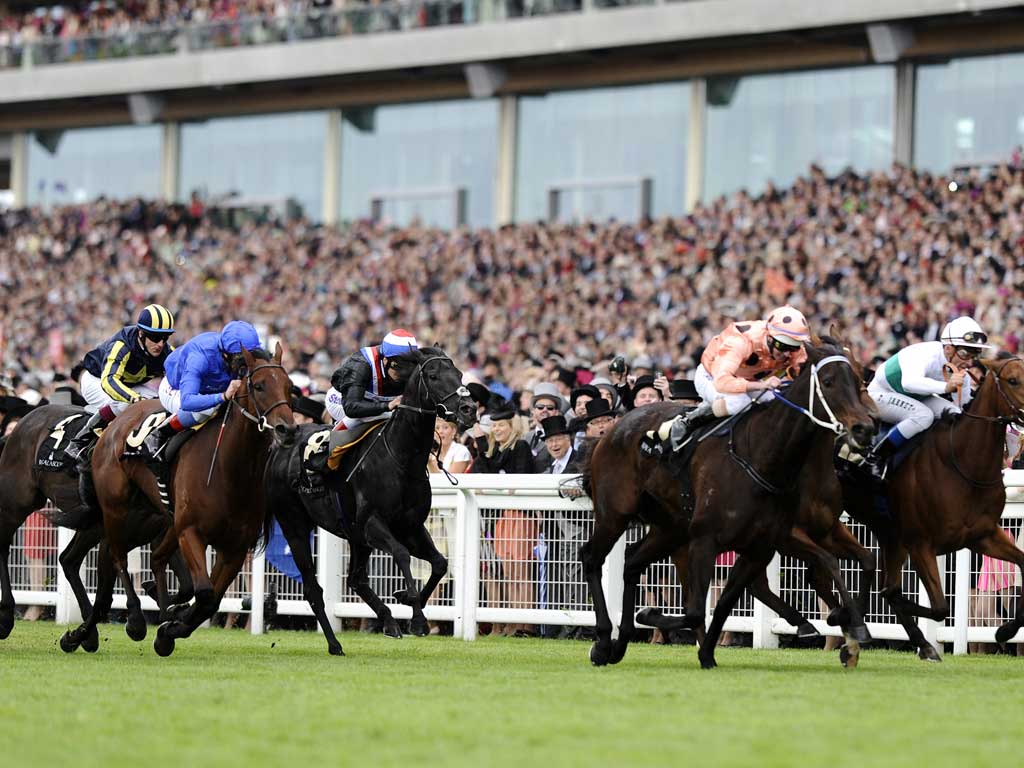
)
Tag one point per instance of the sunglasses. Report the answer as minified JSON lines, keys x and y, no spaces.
{"x":968,"y":353}
{"x":541,"y":407}
{"x":158,"y":338}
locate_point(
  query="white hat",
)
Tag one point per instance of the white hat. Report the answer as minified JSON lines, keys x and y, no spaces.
{"x":549,"y":391}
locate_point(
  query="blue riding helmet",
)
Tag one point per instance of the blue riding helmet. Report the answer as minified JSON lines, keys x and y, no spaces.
{"x":238,"y":335}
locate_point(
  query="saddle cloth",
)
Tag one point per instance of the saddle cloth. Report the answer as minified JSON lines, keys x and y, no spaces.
{"x":51,"y":456}
{"x":339,"y":450}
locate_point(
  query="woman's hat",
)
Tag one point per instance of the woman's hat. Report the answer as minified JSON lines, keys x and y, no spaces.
{"x":554,"y":425}
{"x":499,"y":409}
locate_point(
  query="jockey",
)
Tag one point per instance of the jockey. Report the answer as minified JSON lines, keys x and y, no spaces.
{"x":119,"y":372}
{"x":908,"y":388}
{"x":737,"y":366}
{"x":368,"y":386}
{"x":202,"y":374}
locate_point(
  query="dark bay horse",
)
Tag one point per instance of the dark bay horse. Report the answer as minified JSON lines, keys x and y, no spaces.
{"x":24,"y":488}
{"x":947,"y":495}
{"x":746,"y":497}
{"x":229,"y":514}
{"x":387,"y":501}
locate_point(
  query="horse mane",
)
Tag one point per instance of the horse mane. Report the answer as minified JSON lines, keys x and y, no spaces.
{"x":261,"y":354}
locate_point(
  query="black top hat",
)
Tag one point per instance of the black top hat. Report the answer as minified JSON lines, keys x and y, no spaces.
{"x":596,"y":408}
{"x":15,"y":414}
{"x":8,"y":403}
{"x":307,"y":406}
{"x":554,"y":425}
{"x":683,"y":389}
{"x":499,"y":409}
{"x":479,"y":393}
{"x":586,"y":389}
{"x":645,"y":382}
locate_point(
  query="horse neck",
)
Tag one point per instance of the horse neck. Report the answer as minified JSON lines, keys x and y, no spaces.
{"x":978,"y":444}
{"x":784,"y":440}
{"x":416,"y":431}
{"x":244,"y":443}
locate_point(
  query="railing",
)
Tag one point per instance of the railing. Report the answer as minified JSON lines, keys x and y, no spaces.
{"x":313,"y":24}
{"x":511,"y":544}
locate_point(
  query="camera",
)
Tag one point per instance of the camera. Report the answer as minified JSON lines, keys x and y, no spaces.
{"x":618,"y":365}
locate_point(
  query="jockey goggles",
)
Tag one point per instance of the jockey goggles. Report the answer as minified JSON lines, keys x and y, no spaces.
{"x":974,"y":337}
{"x":156,"y":336}
{"x":778,"y":346}
{"x":969,"y":353}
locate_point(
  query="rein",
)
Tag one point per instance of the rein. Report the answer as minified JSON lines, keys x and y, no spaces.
{"x":260,"y":417}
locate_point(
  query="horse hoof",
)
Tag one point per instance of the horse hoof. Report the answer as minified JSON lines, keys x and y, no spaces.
{"x":860,"y":634}
{"x":707,"y":662}
{"x":618,"y":651}
{"x":335,"y":650}
{"x":419,"y":628}
{"x":391,"y":630}
{"x":162,"y":643}
{"x":135,"y":628}
{"x":649,"y":617}
{"x":927,"y":653}
{"x":807,"y":630}
{"x":599,"y":654}
{"x":68,"y":643}
{"x":847,"y":659}
{"x":6,"y":627}
{"x":1006,"y":632}
{"x":91,"y":642}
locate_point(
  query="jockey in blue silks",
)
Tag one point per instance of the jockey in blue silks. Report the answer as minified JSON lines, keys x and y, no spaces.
{"x":200,"y":375}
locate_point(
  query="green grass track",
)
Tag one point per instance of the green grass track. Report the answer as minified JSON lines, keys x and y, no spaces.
{"x":227,"y":698}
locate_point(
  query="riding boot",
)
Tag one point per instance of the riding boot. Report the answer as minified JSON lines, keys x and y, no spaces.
{"x":78,"y":446}
{"x":157,"y":439}
{"x":877,"y":459}
{"x":670,"y":436}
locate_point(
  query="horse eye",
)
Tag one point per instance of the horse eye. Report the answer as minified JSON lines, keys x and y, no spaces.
{"x":258,"y":387}
{"x":1014,"y":381}
{"x":827,"y":381}
{"x":433,"y":377}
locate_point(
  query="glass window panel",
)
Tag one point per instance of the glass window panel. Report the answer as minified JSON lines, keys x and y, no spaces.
{"x":78,"y":165}
{"x":265,"y":157}
{"x":413,"y":159}
{"x":596,"y":146}
{"x":773,"y":127}
{"x":968,"y":111}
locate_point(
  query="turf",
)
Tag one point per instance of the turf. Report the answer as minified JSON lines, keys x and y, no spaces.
{"x":227,"y":698}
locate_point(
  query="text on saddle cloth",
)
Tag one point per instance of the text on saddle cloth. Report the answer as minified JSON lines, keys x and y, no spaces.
{"x":52,"y":455}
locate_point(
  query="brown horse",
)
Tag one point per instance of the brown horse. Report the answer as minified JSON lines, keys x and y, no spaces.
{"x":229,"y":514}
{"x":735,"y":511}
{"x":947,"y":495}
{"x":24,"y":488}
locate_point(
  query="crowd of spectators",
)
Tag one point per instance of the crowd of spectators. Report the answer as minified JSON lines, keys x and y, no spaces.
{"x":887,"y":257}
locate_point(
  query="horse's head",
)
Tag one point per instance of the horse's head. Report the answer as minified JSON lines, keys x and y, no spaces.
{"x":269,"y":391}
{"x":1009,"y":380}
{"x":832,"y":389}
{"x":436,"y":386}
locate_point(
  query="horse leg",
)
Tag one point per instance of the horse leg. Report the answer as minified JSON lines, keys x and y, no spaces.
{"x":193,"y":549}
{"x":997,"y":546}
{"x":845,"y":544}
{"x":297,"y":535}
{"x":592,"y":555}
{"x":135,"y":627}
{"x":359,"y":582}
{"x":158,"y":564}
{"x":761,"y":591}
{"x":849,"y":617}
{"x":71,"y":560}
{"x":658,"y":543}
{"x":743,"y":573}
{"x":379,"y":535}
{"x":421,"y":545}
{"x":700,"y":570}
{"x":84,"y":633}
{"x":894,"y":555}
{"x":6,"y":593}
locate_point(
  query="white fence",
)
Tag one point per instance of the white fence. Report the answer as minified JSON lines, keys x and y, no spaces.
{"x":512,"y":543}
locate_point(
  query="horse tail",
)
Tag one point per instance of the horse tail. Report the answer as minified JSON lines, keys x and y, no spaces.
{"x":85,"y":514}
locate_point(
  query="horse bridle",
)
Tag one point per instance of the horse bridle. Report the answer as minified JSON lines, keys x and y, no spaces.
{"x":816,"y":392}
{"x":260,"y":417}
{"x":440,"y":407}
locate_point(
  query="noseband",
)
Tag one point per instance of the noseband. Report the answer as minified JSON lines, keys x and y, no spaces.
{"x":440,"y":408}
{"x":816,"y":392}
{"x":260,"y":417}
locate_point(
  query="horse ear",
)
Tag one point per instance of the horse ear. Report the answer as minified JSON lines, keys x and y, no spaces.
{"x":247,"y":356}
{"x":837,"y":334}
{"x":278,"y":353}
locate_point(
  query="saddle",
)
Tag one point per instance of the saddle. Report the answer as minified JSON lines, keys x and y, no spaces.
{"x":320,"y":457}
{"x":52,"y":455}
{"x":345,"y":440}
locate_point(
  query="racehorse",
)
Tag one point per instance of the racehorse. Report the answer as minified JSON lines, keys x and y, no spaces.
{"x":947,"y":494}
{"x":24,"y":488}
{"x":738,"y":507}
{"x":216,"y":488}
{"x":387,"y":500}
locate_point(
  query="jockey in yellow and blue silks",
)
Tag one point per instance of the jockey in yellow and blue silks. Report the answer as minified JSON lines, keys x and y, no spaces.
{"x":122,"y":371}
{"x":202,"y":374}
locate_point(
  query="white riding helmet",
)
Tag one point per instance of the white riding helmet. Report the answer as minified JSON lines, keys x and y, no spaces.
{"x":964,"y":332}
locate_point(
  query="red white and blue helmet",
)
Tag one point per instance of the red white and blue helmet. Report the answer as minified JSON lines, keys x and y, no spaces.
{"x":397,"y":343}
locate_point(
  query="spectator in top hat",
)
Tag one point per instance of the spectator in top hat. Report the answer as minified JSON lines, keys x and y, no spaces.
{"x":684,"y":391}
{"x":559,"y":457}
{"x":307,"y":410}
{"x":579,"y":398}
{"x":599,"y":418}
{"x":12,"y":417}
{"x":644,"y":392}
{"x":608,"y":391}
{"x":545,"y":403}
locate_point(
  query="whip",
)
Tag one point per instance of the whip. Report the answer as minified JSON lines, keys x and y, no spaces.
{"x":216,"y":448}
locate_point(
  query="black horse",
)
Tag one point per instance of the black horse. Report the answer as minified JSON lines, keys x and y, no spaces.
{"x":379,"y":497}
{"x":24,"y":488}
